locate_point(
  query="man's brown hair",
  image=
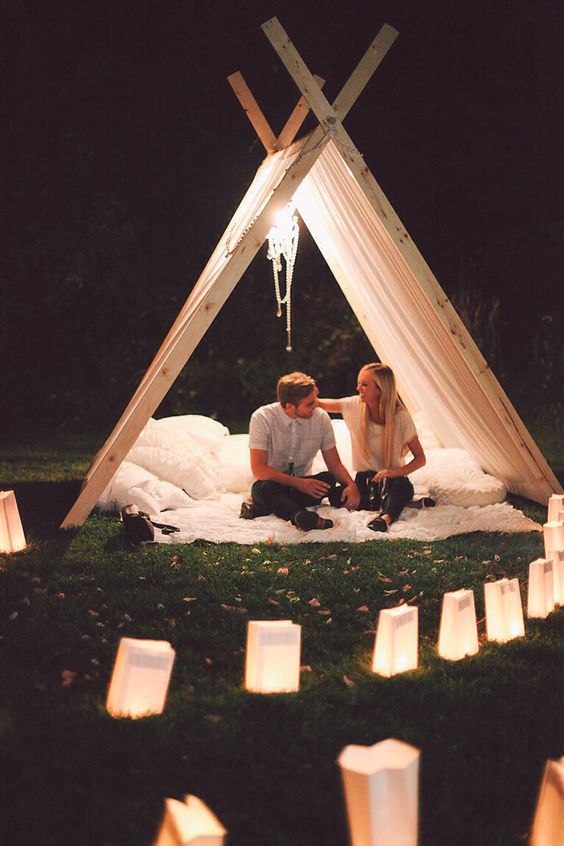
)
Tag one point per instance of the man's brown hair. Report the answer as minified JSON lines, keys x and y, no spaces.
{"x":294,"y":387}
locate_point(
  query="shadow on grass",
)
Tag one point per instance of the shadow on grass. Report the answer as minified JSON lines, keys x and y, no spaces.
{"x":43,"y":505}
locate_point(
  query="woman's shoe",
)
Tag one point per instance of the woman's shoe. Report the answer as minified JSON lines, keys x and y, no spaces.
{"x":378,"y":525}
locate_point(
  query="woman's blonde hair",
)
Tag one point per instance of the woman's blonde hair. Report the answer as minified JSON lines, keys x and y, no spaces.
{"x":390,"y":404}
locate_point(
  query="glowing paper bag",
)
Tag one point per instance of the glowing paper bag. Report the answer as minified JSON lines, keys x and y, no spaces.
{"x":381,"y":785}
{"x":273,"y":656}
{"x":140,"y":678}
{"x":12,"y":538}
{"x":548,"y":825}
{"x":557,"y":559}
{"x":189,"y":823}
{"x":555,"y":505}
{"x":395,"y":647}
{"x":540,"y":601}
{"x":553,"y":534}
{"x":458,"y":634}
{"x":504,"y":612}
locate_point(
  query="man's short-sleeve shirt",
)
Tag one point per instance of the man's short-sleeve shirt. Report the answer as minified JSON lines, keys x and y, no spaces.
{"x":290,"y":441}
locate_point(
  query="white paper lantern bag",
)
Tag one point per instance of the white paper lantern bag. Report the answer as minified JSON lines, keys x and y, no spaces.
{"x":458,"y":634}
{"x":504,"y":612}
{"x":190,"y":823}
{"x":381,"y":786}
{"x":140,"y":678}
{"x":273,"y":656}
{"x":548,"y":824}
{"x":396,"y":644}
{"x":540,"y":600}
{"x":12,"y":538}
{"x":555,"y":505}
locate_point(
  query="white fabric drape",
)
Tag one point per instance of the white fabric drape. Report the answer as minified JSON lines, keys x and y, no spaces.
{"x":405,"y":329}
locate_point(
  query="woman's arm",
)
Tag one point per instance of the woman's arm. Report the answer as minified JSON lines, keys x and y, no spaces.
{"x":333,"y":405}
{"x":418,"y":460}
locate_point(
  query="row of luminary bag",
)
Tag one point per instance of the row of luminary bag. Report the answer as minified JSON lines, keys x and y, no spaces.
{"x":380,"y":782}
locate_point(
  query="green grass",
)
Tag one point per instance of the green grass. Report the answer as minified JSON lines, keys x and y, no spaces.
{"x":265,"y":764}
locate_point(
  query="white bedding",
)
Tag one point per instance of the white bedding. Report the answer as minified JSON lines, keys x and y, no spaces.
{"x":193,"y":470}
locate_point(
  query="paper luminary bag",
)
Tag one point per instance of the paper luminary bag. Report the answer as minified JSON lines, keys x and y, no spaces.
{"x":458,"y":634}
{"x":504,"y":612}
{"x":396,"y":644}
{"x":12,"y":538}
{"x":548,"y":824}
{"x":273,"y":656}
{"x":381,"y":786}
{"x":140,"y":678}
{"x":557,"y":559}
{"x":555,"y":506}
{"x":189,"y":823}
{"x":540,"y":600}
{"x":553,"y":534}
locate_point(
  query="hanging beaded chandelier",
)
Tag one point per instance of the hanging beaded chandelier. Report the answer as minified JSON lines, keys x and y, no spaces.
{"x":283,"y":243}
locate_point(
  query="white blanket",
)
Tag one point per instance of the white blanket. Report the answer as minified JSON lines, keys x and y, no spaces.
{"x":190,"y":472}
{"x":220,"y":522}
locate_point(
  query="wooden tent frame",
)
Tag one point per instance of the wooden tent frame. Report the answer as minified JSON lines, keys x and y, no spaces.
{"x":182,"y":340}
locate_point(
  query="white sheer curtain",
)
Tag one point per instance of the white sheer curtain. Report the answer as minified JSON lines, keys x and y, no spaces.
{"x":405,"y":329}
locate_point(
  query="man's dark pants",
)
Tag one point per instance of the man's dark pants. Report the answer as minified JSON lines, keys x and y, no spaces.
{"x":274,"y":498}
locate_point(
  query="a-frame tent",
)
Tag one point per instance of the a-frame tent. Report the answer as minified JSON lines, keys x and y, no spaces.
{"x":397,"y":300}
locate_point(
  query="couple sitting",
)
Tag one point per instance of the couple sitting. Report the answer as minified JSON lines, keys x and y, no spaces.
{"x":285,"y":436}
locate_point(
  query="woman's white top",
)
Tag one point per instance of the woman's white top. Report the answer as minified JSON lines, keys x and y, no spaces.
{"x":404,"y":431}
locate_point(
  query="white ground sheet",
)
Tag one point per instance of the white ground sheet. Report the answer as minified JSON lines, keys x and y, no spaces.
{"x":220,"y":522}
{"x":191,"y":473}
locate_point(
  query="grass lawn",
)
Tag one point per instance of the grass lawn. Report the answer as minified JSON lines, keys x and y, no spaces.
{"x":264,"y":764}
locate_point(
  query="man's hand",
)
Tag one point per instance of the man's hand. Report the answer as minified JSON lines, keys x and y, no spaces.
{"x":351,"y":496}
{"x":312,"y":487}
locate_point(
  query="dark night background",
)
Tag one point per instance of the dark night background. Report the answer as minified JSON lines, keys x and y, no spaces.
{"x":125,"y":153}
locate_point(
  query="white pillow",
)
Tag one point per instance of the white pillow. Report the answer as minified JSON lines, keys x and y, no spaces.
{"x":181,"y":471}
{"x":234,"y":460}
{"x":208,"y":433}
{"x":453,"y":477}
{"x":186,"y":449}
{"x":134,"y":485}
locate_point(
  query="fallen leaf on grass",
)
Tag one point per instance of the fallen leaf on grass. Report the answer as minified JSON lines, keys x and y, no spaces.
{"x":213,"y":718}
{"x":60,"y":596}
{"x":305,"y":668}
{"x":324,"y":613}
{"x":68,"y":677}
{"x":390,"y":592}
{"x":406,"y":588}
{"x":189,"y":598}
{"x":349,"y":682}
{"x":364,"y":609}
{"x":315,"y":603}
{"x":255,"y":551}
{"x":272,"y":601}
{"x":208,"y":661}
{"x":282,"y":571}
{"x":93,"y":613}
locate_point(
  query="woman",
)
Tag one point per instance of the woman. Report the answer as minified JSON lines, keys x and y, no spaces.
{"x":381,"y":432}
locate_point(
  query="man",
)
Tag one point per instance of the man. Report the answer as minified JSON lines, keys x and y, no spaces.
{"x":284,"y":437}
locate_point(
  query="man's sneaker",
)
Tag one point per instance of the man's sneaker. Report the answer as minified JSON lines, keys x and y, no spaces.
{"x":248,"y":510}
{"x":308,"y":520}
